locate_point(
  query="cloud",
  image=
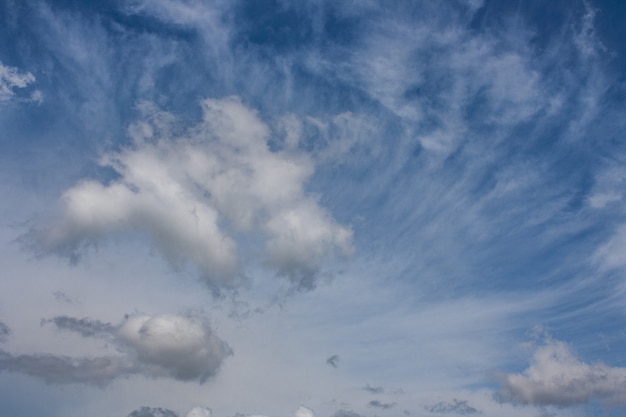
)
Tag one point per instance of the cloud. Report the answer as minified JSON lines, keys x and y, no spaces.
{"x":178,"y":347}
{"x":374,"y":390}
{"x":153,"y":412}
{"x":303,"y":411}
{"x":557,"y":377}
{"x":85,"y":327}
{"x":12,"y":78}
{"x":174,"y":346}
{"x":199,"y":412}
{"x":346,"y":413}
{"x":4,"y":332}
{"x":62,"y":369}
{"x":333,"y":361}
{"x":455,"y":406}
{"x":195,"y":195}
{"x":381,"y":405}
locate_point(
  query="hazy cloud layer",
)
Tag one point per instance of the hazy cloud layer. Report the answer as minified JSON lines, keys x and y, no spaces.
{"x":557,"y":377}
{"x":180,"y":191}
{"x":183,"y":348}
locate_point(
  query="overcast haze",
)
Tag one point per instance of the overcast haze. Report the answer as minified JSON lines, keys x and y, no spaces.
{"x":312,"y":208}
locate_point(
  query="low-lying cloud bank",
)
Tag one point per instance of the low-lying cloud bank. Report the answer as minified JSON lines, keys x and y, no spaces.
{"x":169,"y":346}
{"x":557,"y":377}
{"x":195,"y":194}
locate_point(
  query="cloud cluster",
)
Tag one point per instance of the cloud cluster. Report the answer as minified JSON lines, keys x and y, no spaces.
{"x":195,"y":195}
{"x":454,"y":407}
{"x":11,"y":78}
{"x":164,"y":412}
{"x":557,"y":377}
{"x":179,"y":347}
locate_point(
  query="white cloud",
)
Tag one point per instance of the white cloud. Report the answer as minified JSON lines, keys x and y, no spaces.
{"x":12,"y":78}
{"x":303,"y":411}
{"x":557,"y":377}
{"x":179,"y":347}
{"x":195,"y":195}
{"x":199,"y":412}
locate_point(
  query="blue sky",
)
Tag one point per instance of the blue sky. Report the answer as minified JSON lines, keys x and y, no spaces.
{"x":313,"y":209}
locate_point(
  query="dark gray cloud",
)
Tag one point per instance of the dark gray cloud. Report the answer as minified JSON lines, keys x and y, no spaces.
{"x":179,"y":347}
{"x":374,"y":390}
{"x":333,"y":361}
{"x":381,"y":405}
{"x":152,"y":412}
{"x":62,"y":369}
{"x":4,"y":332}
{"x":85,"y":327}
{"x":455,"y":407}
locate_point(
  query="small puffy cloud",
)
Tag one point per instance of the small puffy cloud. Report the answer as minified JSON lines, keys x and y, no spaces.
{"x":183,"y":348}
{"x":199,"y":412}
{"x":175,"y":346}
{"x":557,"y":377}
{"x":195,"y":195}
{"x":303,"y":411}
{"x":454,"y":407}
{"x":11,"y":78}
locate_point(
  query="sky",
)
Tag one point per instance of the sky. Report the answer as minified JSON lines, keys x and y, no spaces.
{"x":311,"y":208}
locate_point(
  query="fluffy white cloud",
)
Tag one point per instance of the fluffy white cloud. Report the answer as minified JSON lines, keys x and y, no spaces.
{"x":557,"y":377}
{"x":179,"y":347}
{"x":303,"y":411}
{"x":199,"y":412}
{"x":195,"y":195}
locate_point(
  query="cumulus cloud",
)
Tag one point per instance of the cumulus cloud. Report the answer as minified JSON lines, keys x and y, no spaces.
{"x":199,"y":412}
{"x":303,"y":411}
{"x":194,"y":195}
{"x":557,"y":377}
{"x":174,"y":346}
{"x":183,"y":348}
{"x":454,"y":407}
{"x":12,"y":78}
